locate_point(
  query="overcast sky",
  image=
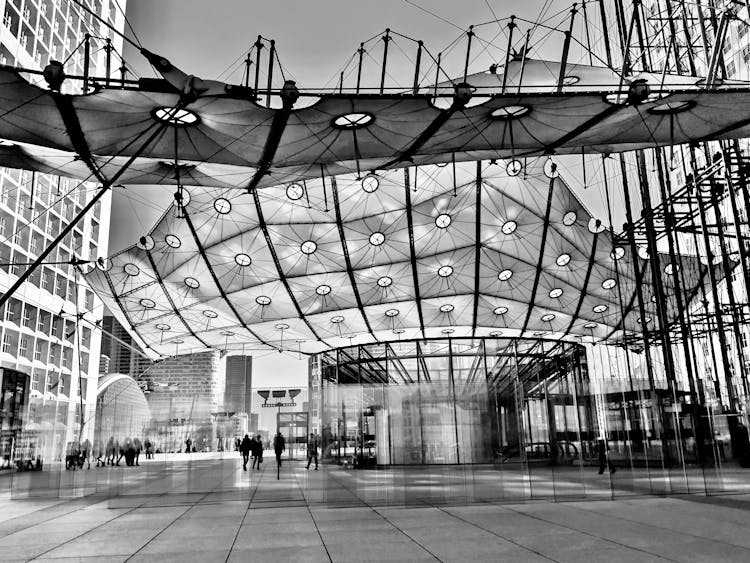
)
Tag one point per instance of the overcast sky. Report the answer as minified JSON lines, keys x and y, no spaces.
{"x":314,"y":39}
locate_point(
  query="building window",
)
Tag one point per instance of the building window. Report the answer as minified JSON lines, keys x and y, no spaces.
{"x":23,"y":347}
{"x":7,"y":343}
{"x":3,"y":225}
{"x":730,"y":69}
{"x":27,"y":317}
{"x":10,"y":313}
{"x":38,"y":351}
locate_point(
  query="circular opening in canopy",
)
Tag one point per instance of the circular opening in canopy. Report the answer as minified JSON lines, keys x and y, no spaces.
{"x":183,"y":199}
{"x":617,"y":253}
{"x":370,"y":183}
{"x":509,"y":227}
{"x":376,"y":239}
{"x":391,"y":313}
{"x":385,"y":281}
{"x":505,"y":275}
{"x":445,"y":271}
{"x":226,"y":333}
{"x":555,"y":293}
{"x":146,"y":242}
{"x":222,"y":206}
{"x":609,"y":283}
{"x":569,"y":218}
{"x":243,"y":260}
{"x":563,"y":259}
{"x":131,"y":269}
{"x":442,"y":221}
{"x":192,"y":283}
{"x":670,"y":269}
{"x":645,"y":320}
{"x":176,"y":117}
{"x":308,"y":247}
{"x":173,"y":241}
{"x":500,"y":310}
{"x":514,"y":167}
{"x":399,"y":330}
{"x":496,"y":333}
{"x":510,"y":112}
{"x":670,"y":108}
{"x":338,"y":319}
{"x":599,"y":308}
{"x":209,"y":314}
{"x":447,"y":308}
{"x":590,"y":325}
{"x":295,"y":191}
{"x":595,"y":226}
{"x":355,"y":120}
{"x":163,"y":327}
{"x":104,"y":264}
{"x":148,"y":303}
{"x":570,"y":80}
{"x":263,"y":300}
{"x":323,"y":289}
{"x":281,"y":326}
{"x":447,"y":331}
{"x":548,"y":317}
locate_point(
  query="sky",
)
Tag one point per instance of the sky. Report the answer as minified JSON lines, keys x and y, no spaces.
{"x":314,"y":40}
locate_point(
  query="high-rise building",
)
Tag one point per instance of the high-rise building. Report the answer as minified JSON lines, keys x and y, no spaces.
{"x":121,"y":350}
{"x":238,"y":392}
{"x":49,"y":327}
{"x":185,"y":393}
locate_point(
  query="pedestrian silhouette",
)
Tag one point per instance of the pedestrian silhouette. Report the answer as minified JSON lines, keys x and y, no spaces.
{"x":279,"y":445}
{"x":245,"y":448}
{"x":312,"y":450}
{"x":257,"y":451}
{"x":604,"y":458}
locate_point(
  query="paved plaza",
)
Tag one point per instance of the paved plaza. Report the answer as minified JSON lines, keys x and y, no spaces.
{"x":207,"y":509}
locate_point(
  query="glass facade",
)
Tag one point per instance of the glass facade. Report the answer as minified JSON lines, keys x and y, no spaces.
{"x":553,"y":414}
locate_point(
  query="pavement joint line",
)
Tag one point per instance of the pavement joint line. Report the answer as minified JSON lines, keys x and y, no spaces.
{"x":509,"y":540}
{"x":312,"y":517}
{"x":702,"y":538}
{"x":590,"y":534}
{"x":83,"y":533}
{"x":244,"y":516}
{"x":373,"y":509}
{"x":160,"y":532}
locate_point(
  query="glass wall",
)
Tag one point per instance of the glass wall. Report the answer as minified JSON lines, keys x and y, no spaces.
{"x":523,"y":418}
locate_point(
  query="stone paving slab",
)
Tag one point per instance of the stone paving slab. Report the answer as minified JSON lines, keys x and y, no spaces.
{"x":268,"y":520}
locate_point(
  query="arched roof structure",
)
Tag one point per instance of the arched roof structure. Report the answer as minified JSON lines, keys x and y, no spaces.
{"x":348,"y":225}
{"x":404,"y":254}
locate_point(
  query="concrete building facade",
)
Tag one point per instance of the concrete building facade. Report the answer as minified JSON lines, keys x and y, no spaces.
{"x":50,"y":325}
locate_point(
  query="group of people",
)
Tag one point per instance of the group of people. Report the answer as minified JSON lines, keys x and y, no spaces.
{"x":253,"y":447}
{"x":79,"y":454}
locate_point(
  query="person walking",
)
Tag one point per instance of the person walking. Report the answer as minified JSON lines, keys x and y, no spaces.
{"x":188,"y":446}
{"x":111,"y":450}
{"x":86,"y":453}
{"x":257,"y":449}
{"x":279,"y":445}
{"x":149,"y":449}
{"x":245,"y":447}
{"x":312,"y":450}
{"x":604,"y":458}
{"x":138,"y":445}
